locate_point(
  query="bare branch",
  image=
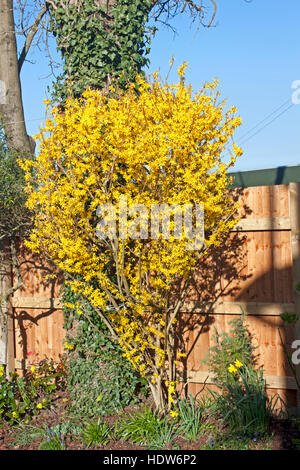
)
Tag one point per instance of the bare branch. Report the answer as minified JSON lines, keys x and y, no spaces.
{"x":198,"y":9}
{"x":31,"y":34}
{"x":15,"y":263}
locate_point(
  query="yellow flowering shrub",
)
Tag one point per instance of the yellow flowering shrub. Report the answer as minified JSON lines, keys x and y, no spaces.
{"x":160,"y":145}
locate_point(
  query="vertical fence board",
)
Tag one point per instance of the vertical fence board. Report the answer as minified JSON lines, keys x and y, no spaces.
{"x":294,"y":195}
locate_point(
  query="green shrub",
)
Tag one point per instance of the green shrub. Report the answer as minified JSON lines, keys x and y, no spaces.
{"x":244,"y":404}
{"x":23,"y":397}
{"x":10,"y":408}
{"x":237,"y":345}
{"x":15,"y":218}
{"x":100,"y":380}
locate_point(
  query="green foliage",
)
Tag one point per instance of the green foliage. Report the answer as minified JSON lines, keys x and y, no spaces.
{"x":100,"y":380}
{"x":96,"y":433}
{"x":244,"y":404}
{"x":23,"y":397}
{"x":237,"y":345}
{"x":72,"y":425}
{"x":150,"y":429}
{"x":53,"y":441}
{"x":98,"y":47}
{"x":142,"y":427}
{"x":45,"y":377}
{"x":14,"y":216}
{"x":233,"y":441}
{"x":190,"y":418}
{"x":289,"y":317}
{"x":164,"y":436}
{"x":10,"y":410}
{"x":25,"y":433}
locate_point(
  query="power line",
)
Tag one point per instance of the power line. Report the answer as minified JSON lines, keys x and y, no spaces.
{"x":26,"y":120}
{"x":267,"y":117}
{"x":243,"y":140}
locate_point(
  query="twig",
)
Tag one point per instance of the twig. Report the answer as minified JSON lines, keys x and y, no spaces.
{"x":30,"y":37}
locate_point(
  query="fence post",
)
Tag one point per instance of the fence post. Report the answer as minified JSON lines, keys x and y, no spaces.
{"x":294,"y":202}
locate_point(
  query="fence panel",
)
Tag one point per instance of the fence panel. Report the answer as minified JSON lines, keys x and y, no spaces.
{"x":256,"y":269}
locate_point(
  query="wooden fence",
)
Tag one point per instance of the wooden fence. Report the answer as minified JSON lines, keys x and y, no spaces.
{"x":257,"y":269}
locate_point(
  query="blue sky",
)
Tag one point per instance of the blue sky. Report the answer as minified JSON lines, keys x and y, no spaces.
{"x":254,"y":50}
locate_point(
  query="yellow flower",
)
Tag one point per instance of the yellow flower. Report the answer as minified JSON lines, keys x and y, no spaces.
{"x":181,"y":69}
{"x":69,"y":305}
{"x":39,"y":406}
{"x":173,"y":414}
{"x":15,"y":415}
{"x":152,"y":134}
{"x":232,"y":369}
{"x":32,"y":368}
{"x":238,"y":364}
{"x":1,"y":370}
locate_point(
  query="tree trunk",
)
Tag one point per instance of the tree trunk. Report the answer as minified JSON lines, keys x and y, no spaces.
{"x":157,"y":394}
{"x":11,"y":106}
{"x":6,"y":319}
{"x":12,"y":114}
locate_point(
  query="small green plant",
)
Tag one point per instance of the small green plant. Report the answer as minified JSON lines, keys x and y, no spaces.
{"x":237,"y":345}
{"x":53,"y":441}
{"x":166,"y":432}
{"x":100,"y":380}
{"x":10,"y":407}
{"x":289,"y":317}
{"x":189,"y":415}
{"x":96,"y":433}
{"x":244,"y":404}
{"x":23,"y":397}
{"x":25,"y":434}
{"x":143,"y":427}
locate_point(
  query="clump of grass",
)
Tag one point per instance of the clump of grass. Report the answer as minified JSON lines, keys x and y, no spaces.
{"x":190,"y":417}
{"x":165,"y":435}
{"x":96,"y":433}
{"x":244,"y":404}
{"x":145,"y":427}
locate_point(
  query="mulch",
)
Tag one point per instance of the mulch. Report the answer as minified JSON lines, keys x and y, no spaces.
{"x":284,"y":435}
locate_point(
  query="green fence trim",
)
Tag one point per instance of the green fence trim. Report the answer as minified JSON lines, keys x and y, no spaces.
{"x":266,"y":177}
